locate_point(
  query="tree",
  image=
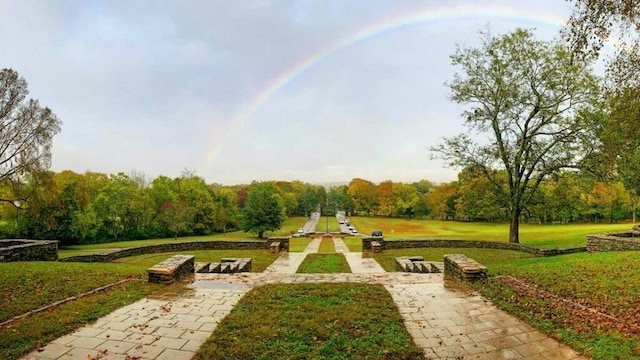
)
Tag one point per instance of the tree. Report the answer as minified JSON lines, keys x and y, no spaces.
{"x":620,"y":139}
{"x":363,"y":194}
{"x":441,"y":199}
{"x":406,"y":199}
{"x":226,"y":209}
{"x":386,"y":201}
{"x":527,"y":117}
{"x":593,"y":22}
{"x":27,"y":130}
{"x":264,"y":209}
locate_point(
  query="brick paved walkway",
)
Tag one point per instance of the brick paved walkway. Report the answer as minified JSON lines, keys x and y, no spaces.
{"x":446,"y":320}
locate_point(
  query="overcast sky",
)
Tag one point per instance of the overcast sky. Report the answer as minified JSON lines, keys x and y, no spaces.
{"x":319,"y":91}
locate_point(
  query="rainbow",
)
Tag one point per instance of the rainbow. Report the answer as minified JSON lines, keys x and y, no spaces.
{"x":395,"y":23}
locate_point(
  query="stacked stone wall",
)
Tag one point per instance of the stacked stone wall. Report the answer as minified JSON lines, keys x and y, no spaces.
{"x":455,"y":243}
{"x":176,"y":247}
{"x":615,"y":241}
{"x":28,"y":250}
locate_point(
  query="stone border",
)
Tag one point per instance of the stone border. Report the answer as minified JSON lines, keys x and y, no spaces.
{"x":615,"y":241}
{"x":455,"y":243}
{"x":64,"y":301}
{"x":179,"y":247}
{"x":28,"y":250}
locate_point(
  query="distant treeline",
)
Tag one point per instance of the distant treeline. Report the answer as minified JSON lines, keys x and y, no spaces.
{"x":93,"y":207}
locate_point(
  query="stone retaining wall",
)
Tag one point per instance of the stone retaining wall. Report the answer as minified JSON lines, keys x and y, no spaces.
{"x":615,"y":241}
{"x":455,"y":243}
{"x":175,"y":247}
{"x":28,"y":250}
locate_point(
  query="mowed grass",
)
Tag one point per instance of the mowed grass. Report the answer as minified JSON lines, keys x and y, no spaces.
{"x":331,"y":220}
{"x":549,"y":236}
{"x":487,"y":257}
{"x":28,"y":286}
{"x":298,"y":244}
{"x":324,"y":264}
{"x":312,"y":321}
{"x":608,"y":282}
{"x":289,"y":227}
{"x":327,"y":246}
{"x":354,"y":243}
{"x":260,"y":258}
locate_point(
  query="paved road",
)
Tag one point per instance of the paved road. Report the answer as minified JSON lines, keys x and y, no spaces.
{"x":310,"y":226}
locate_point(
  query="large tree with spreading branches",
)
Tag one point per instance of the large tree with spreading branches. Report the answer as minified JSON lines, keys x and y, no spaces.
{"x":525,"y":100}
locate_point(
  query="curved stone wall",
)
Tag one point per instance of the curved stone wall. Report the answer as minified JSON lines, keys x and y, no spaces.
{"x":615,"y":241}
{"x":175,"y":247}
{"x":28,"y":250}
{"x":455,"y":243}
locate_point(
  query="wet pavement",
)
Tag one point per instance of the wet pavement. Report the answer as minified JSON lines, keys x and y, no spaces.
{"x":447,"y":320}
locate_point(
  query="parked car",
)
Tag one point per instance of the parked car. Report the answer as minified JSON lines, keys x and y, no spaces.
{"x":376,"y":233}
{"x":301,"y":231}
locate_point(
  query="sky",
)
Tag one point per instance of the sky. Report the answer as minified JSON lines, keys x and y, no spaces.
{"x":313,"y":90}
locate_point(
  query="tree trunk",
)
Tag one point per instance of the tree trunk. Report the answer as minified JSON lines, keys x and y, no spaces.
{"x":514,"y":228}
{"x":260,"y":233}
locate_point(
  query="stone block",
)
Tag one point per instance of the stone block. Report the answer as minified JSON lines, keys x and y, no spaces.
{"x":464,"y":268}
{"x":171,"y":269}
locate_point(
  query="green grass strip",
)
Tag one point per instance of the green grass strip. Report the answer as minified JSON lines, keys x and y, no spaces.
{"x":327,"y":246}
{"x":260,"y":258}
{"x":324,"y":264}
{"x":312,"y":321}
{"x":30,"y":285}
{"x":37,"y":330}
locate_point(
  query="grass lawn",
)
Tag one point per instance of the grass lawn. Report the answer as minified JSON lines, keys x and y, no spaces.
{"x":289,"y":227}
{"x":487,"y":257}
{"x":261,"y":258}
{"x":354,"y":243}
{"x":30,"y":285}
{"x":550,"y":236}
{"x":322,"y":224}
{"x":607,"y":282}
{"x":312,"y":321}
{"x":327,"y":246}
{"x":324,"y":263}
{"x":298,"y":244}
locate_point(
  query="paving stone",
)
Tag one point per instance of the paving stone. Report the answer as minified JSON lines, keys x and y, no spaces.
{"x":168,"y":332}
{"x":448,"y":352}
{"x":170,"y":354}
{"x":192,"y":345}
{"x":51,"y":351}
{"x":116,"y":346}
{"x":144,"y":351}
{"x":87,"y":342}
{"x":80,"y":354}
{"x":170,"y":343}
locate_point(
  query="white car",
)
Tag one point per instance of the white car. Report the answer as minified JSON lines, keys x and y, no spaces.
{"x":301,"y":231}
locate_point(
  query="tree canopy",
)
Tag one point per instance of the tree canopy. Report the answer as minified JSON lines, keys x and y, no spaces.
{"x":26,"y":131}
{"x":526,"y":115}
{"x":264,"y":210}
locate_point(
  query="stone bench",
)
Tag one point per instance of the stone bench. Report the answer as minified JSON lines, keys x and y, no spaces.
{"x":416,"y":264}
{"x":171,"y":269}
{"x":275,"y":247}
{"x":376,"y":247}
{"x":464,"y":268}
